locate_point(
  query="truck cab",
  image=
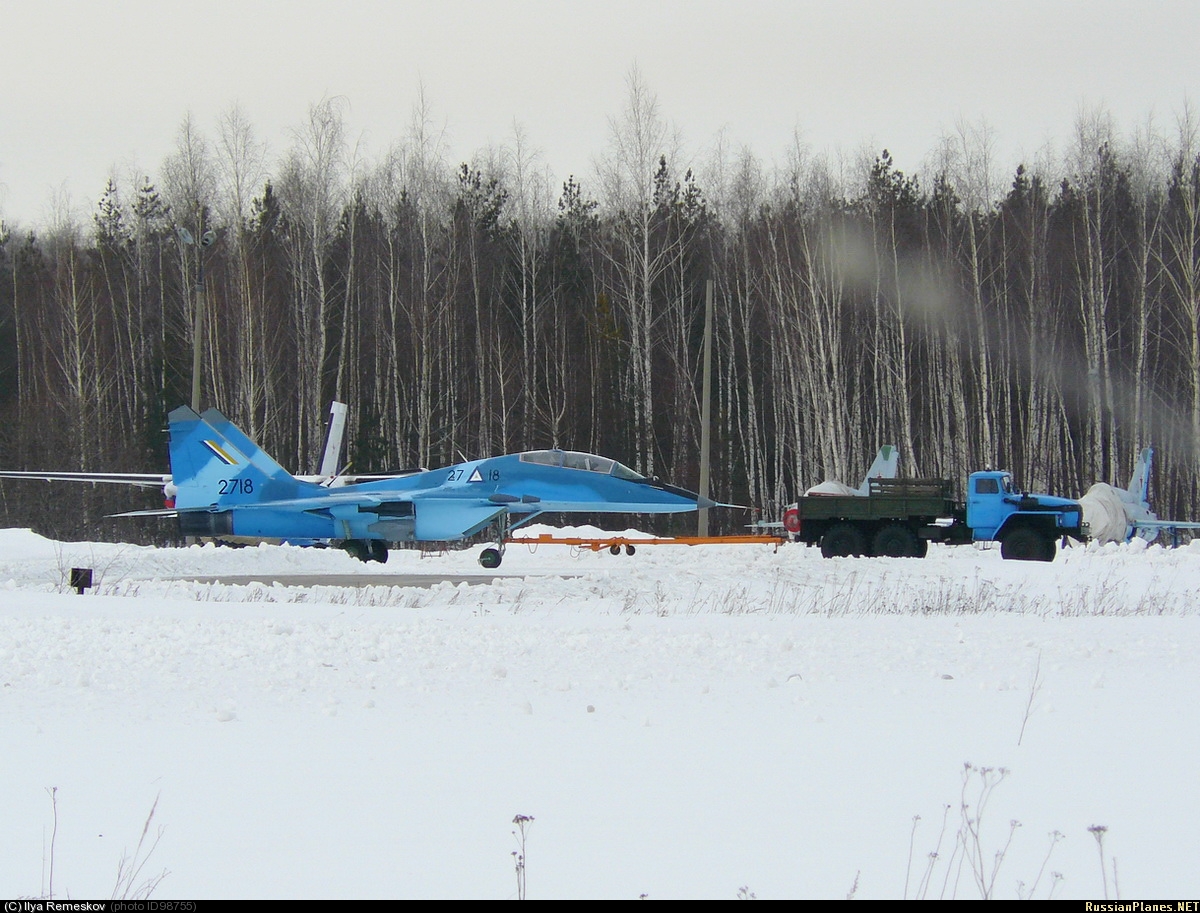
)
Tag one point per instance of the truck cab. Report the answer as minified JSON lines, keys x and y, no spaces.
{"x":1025,"y":525}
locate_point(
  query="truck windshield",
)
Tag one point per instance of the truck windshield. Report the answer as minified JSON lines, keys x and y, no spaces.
{"x":993,"y":485}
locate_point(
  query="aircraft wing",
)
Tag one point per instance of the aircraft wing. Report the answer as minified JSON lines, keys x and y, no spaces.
{"x":1150,"y":529}
{"x":140,"y":479}
{"x":333,"y":501}
{"x":346,"y":480}
{"x":1166,"y":524}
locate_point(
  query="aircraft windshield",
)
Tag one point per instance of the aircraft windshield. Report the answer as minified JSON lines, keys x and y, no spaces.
{"x":621,"y":471}
{"x":589,"y":462}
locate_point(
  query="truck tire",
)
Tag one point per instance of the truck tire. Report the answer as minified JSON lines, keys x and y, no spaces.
{"x":1026,"y":544}
{"x":845,"y":540}
{"x":895,"y":541}
{"x":1051,"y":548}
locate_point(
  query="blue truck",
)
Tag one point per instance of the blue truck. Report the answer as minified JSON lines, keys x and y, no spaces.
{"x":898,"y":518}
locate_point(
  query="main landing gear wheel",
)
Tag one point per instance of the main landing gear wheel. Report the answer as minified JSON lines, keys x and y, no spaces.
{"x":367,"y":549}
{"x":490,"y":558}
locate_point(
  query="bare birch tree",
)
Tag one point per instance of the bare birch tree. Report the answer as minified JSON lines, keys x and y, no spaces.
{"x":313,"y":192}
{"x":1180,"y":263}
{"x":640,"y":142}
{"x":241,"y":167}
{"x":531,"y":206}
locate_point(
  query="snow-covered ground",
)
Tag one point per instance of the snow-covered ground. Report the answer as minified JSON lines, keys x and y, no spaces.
{"x":685,"y":722}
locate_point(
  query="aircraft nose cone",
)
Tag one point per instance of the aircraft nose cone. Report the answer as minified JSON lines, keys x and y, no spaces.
{"x":703,"y":503}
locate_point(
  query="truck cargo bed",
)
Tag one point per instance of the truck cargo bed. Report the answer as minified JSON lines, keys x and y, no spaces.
{"x":887,"y":499}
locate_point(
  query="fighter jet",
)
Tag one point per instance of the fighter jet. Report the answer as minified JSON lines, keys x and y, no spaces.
{"x":886,"y":463}
{"x":223,"y":485}
{"x":1115,"y":514}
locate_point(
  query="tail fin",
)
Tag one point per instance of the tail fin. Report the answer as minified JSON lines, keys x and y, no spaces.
{"x":215,"y":466}
{"x":886,"y":463}
{"x":1139,"y":484}
{"x":333,"y":440}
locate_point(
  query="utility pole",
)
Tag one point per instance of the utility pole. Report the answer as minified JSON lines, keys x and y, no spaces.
{"x":206,"y":241}
{"x":706,"y":408}
{"x":197,"y":336}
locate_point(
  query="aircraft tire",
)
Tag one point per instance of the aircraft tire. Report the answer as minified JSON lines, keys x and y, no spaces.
{"x":1026,"y":544}
{"x":845,"y":540}
{"x":895,"y":541}
{"x":490,"y":558}
{"x":629,"y":549}
{"x":377,"y":550}
{"x":356,"y":548}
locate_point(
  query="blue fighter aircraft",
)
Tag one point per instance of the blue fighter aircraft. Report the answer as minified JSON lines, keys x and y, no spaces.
{"x":1115,"y":514}
{"x":225,"y":486}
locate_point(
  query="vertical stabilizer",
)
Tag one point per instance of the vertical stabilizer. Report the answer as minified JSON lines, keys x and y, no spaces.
{"x":886,"y":464}
{"x":1139,"y":484}
{"x":333,"y":441}
{"x":214,"y":465}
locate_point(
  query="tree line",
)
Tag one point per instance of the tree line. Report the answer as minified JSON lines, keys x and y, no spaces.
{"x":1048,"y":322}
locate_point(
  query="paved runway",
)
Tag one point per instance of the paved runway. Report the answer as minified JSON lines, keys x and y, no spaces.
{"x":356,"y":580}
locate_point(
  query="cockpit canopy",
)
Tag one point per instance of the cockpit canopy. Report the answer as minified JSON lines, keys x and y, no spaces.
{"x":573,"y":459}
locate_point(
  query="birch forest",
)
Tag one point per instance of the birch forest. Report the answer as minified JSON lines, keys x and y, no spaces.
{"x":1044,"y":320}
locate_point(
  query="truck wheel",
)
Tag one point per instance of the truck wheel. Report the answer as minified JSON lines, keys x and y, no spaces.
{"x":1025,"y":544}
{"x":843,"y":541}
{"x":895,"y":541}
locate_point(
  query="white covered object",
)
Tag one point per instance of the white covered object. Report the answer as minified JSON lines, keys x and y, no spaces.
{"x":834,"y":489}
{"x":1104,"y":513}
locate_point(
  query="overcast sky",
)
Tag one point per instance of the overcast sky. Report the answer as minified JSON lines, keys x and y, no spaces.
{"x":91,"y":87}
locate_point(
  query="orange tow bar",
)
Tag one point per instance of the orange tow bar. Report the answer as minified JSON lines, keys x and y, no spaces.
{"x":614,"y":544}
